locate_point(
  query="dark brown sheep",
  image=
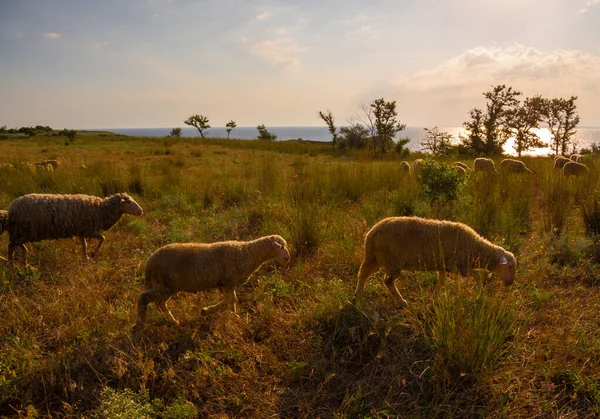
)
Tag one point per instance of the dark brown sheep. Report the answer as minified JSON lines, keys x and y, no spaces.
{"x":37,"y":217}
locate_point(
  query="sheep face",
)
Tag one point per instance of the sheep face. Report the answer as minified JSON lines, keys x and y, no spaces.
{"x":129,"y":206}
{"x":507,"y":269}
{"x":282,"y":255}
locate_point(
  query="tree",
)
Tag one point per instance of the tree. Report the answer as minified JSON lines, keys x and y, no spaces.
{"x":522,"y":120}
{"x":329,"y":120}
{"x":442,"y":183}
{"x":385,"y":123}
{"x":200,"y":122}
{"x":354,"y":136}
{"x":437,"y":142}
{"x":263,"y":134}
{"x":175,"y":132}
{"x":69,"y":133}
{"x":230,"y":126}
{"x":488,"y":131}
{"x":561,"y":117}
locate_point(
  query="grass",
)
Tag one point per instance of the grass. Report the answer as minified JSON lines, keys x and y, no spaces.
{"x":300,"y":347}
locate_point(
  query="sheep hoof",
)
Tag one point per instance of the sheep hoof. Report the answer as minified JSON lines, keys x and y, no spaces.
{"x":204,"y":312}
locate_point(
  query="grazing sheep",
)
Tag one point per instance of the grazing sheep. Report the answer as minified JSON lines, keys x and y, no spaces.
{"x":482,"y":164}
{"x":461,"y":170}
{"x":515,"y":166}
{"x":418,"y":166}
{"x":574,"y":157}
{"x":405,"y":167}
{"x":461,"y":164}
{"x":583,"y":158}
{"x":560,"y":161}
{"x":573,"y":168}
{"x":412,"y":243}
{"x":37,"y":217}
{"x":48,"y":165}
{"x":194,"y":267}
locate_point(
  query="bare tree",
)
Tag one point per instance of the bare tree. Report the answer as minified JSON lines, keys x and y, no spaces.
{"x":435,"y":141}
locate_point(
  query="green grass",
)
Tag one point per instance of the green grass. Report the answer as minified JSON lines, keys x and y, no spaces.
{"x":300,"y":347}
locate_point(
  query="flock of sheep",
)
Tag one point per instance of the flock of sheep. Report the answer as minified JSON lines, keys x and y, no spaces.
{"x":393,"y":244}
{"x":568,"y":166}
{"x":433,"y":245}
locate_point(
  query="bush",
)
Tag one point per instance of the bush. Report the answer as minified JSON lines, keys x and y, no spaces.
{"x":442,"y":183}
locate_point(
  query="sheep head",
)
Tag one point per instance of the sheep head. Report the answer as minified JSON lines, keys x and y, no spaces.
{"x":507,"y":268}
{"x":282,"y":254}
{"x":129,"y":206}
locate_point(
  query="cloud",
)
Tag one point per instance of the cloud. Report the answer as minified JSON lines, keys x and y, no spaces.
{"x":51,"y":35}
{"x":155,"y":15}
{"x":278,"y":52}
{"x":264,"y":15}
{"x":588,"y":4}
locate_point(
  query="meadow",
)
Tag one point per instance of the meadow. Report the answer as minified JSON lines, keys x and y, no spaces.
{"x":301,"y":347}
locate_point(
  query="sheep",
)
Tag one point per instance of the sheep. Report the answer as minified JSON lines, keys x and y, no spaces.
{"x":461,"y":164}
{"x":560,"y":161}
{"x":412,"y":243}
{"x":574,"y":168}
{"x":405,"y":167}
{"x":48,"y":165}
{"x":418,"y":166}
{"x":515,"y":166}
{"x":37,"y":217}
{"x":195,"y":267}
{"x":461,"y":170}
{"x":574,"y":157}
{"x":482,"y":164}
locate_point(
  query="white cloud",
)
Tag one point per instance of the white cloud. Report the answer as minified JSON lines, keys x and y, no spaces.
{"x":264,"y":15}
{"x":51,"y":35}
{"x":155,"y":15}
{"x":278,"y":52}
{"x":588,"y":4}
{"x":96,"y":46}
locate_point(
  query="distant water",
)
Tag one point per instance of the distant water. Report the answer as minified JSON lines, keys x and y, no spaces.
{"x":584,"y":138}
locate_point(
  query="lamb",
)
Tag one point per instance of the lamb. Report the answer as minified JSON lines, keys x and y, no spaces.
{"x":515,"y":166}
{"x":412,"y":243}
{"x":482,"y":164}
{"x":405,"y":167}
{"x":560,"y":161}
{"x":574,"y":169}
{"x":195,"y":267}
{"x":37,"y":217}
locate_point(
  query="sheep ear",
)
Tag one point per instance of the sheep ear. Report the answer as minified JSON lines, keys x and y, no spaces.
{"x":276,"y":245}
{"x":503,"y":261}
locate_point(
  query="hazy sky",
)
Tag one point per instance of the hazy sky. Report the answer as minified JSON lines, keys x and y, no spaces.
{"x":152,"y":63}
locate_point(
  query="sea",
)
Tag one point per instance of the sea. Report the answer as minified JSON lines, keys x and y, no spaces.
{"x":584,"y":138}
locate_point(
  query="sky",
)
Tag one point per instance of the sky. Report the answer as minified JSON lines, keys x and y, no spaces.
{"x":152,"y":63}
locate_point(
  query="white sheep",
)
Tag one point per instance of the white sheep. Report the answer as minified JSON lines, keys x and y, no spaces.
{"x":418,"y":244}
{"x":574,"y":169}
{"x":418,"y":166}
{"x":560,"y":161}
{"x":482,"y":164}
{"x":574,"y":157}
{"x":37,"y":217}
{"x":461,"y":164}
{"x":194,"y":267}
{"x":515,"y":166}
{"x":405,"y":167}
{"x":48,"y":165}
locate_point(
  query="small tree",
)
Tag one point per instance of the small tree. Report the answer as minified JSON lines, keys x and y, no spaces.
{"x":442,"y":183}
{"x":329,"y":120}
{"x":263,"y":134}
{"x":230,"y":126}
{"x":561,"y":117}
{"x":69,"y":133}
{"x":175,"y":132}
{"x":354,"y":136}
{"x":522,"y":120}
{"x":437,"y":142}
{"x":385,"y":122}
{"x":200,"y":122}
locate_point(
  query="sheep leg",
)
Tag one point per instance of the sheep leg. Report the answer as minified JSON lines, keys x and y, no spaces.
{"x":390,"y":283}
{"x":100,"y":237}
{"x":84,"y":248}
{"x":229,"y":299}
{"x":367,"y":268}
{"x":162,"y":306}
{"x":148,"y":296}
{"x":11,"y":251}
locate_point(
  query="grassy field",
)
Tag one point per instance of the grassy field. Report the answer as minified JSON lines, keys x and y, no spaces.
{"x":300,"y":347}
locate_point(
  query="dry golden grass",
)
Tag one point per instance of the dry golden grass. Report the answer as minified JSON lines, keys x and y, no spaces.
{"x":300,"y":348}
